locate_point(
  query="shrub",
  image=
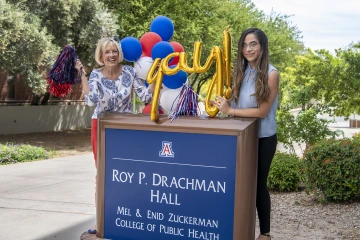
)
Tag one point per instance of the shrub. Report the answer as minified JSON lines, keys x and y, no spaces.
{"x":333,"y":167}
{"x":285,"y":172}
{"x":305,"y":128}
{"x":10,"y":153}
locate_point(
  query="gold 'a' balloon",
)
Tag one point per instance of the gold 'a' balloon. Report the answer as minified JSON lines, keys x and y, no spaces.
{"x":222,"y":58}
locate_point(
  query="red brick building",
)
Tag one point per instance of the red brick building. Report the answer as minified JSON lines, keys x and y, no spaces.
{"x":13,"y":90}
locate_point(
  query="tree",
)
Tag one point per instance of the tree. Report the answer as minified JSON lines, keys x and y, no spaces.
{"x":35,"y":31}
{"x":325,"y":82}
{"x":26,"y":47}
{"x":319,"y":83}
{"x":346,"y":100}
{"x":205,"y":21}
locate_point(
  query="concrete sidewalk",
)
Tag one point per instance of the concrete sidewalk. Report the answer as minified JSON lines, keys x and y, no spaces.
{"x":49,"y":199}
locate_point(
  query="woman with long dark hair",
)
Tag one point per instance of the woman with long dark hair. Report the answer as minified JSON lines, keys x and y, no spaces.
{"x":255,"y":94}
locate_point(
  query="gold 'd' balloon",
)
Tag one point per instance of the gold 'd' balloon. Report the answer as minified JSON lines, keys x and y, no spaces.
{"x":222,"y":59}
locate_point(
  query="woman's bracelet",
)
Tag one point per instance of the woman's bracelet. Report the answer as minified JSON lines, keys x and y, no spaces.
{"x":233,"y":113}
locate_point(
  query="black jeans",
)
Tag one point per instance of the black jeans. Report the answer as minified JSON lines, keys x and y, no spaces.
{"x":266,"y":152}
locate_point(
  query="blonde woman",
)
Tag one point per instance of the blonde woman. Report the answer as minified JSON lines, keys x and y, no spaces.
{"x":109,"y":87}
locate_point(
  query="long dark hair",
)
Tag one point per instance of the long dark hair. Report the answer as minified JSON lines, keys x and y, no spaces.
{"x":262,"y":66}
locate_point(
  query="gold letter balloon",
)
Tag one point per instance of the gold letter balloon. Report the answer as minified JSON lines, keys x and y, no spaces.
{"x":222,"y":76}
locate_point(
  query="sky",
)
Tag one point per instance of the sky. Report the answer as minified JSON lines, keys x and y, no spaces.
{"x":324,"y":24}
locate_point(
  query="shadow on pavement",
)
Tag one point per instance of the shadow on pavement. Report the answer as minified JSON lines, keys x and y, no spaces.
{"x":71,"y":233}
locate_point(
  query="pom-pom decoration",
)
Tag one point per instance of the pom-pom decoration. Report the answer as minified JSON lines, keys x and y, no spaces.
{"x":187,"y":104}
{"x":63,"y":73}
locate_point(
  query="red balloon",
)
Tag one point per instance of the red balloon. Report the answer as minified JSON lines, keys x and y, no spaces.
{"x":147,"y":109}
{"x":177,"y":48}
{"x":147,"y":41}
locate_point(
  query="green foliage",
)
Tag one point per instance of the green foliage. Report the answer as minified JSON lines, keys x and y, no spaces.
{"x":333,"y":167}
{"x":305,"y":127}
{"x":284,"y":40}
{"x":346,"y":100}
{"x":286,"y":172}
{"x":205,"y":21}
{"x":26,"y":48}
{"x":10,"y":153}
{"x":311,"y":129}
{"x":94,"y":22}
{"x":330,"y":82}
{"x":33,"y":32}
{"x":12,"y":24}
{"x":285,"y":128}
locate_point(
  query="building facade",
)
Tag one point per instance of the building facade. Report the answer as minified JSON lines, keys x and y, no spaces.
{"x":13,"y":90}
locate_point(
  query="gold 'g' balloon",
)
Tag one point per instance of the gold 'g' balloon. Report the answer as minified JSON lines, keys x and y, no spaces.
{"x":222,"y":59}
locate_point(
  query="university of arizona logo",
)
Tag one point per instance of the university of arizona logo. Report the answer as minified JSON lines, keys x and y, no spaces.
{"x":166,"y":150}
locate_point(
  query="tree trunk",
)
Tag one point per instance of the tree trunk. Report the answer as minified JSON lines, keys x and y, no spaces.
{"x":45,"y":99}
{"x":35,"y":99}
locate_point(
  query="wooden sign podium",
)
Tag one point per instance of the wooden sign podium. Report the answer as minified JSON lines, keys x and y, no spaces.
{"x":193,"y":178}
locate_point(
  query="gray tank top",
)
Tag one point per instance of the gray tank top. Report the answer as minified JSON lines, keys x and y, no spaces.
{"x":267,"y":126}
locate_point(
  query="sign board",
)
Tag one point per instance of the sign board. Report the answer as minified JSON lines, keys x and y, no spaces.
{"x":176,"y":180}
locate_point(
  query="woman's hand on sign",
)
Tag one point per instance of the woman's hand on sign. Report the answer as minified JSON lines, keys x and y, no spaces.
{"x":222,"y":104}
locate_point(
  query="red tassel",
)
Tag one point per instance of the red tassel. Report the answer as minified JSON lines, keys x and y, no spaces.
{"x":58,"y":89}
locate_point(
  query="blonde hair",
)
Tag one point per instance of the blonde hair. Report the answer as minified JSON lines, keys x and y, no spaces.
{"x":100,"y":47}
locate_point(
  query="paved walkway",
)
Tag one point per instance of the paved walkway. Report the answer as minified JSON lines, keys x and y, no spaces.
{"x":50,"y":199}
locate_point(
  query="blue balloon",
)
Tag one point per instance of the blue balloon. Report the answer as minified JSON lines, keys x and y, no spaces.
{"x":131,"y":49}
{"x":161,"y":50}
{"x":175,"y":81}
{"x":163,"y":26}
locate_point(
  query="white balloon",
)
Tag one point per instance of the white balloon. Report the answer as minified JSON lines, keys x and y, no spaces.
{"x":169,"y":98}
{"x":142,"y":66}
{"x":202,"y":109}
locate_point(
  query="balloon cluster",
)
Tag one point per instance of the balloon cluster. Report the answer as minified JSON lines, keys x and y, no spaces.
{"x":152,"y":45}
{"x":165,"y":64}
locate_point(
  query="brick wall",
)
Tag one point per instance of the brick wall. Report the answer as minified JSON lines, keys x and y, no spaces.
{"x":23,"y":92}
{"x":3,"y":84}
